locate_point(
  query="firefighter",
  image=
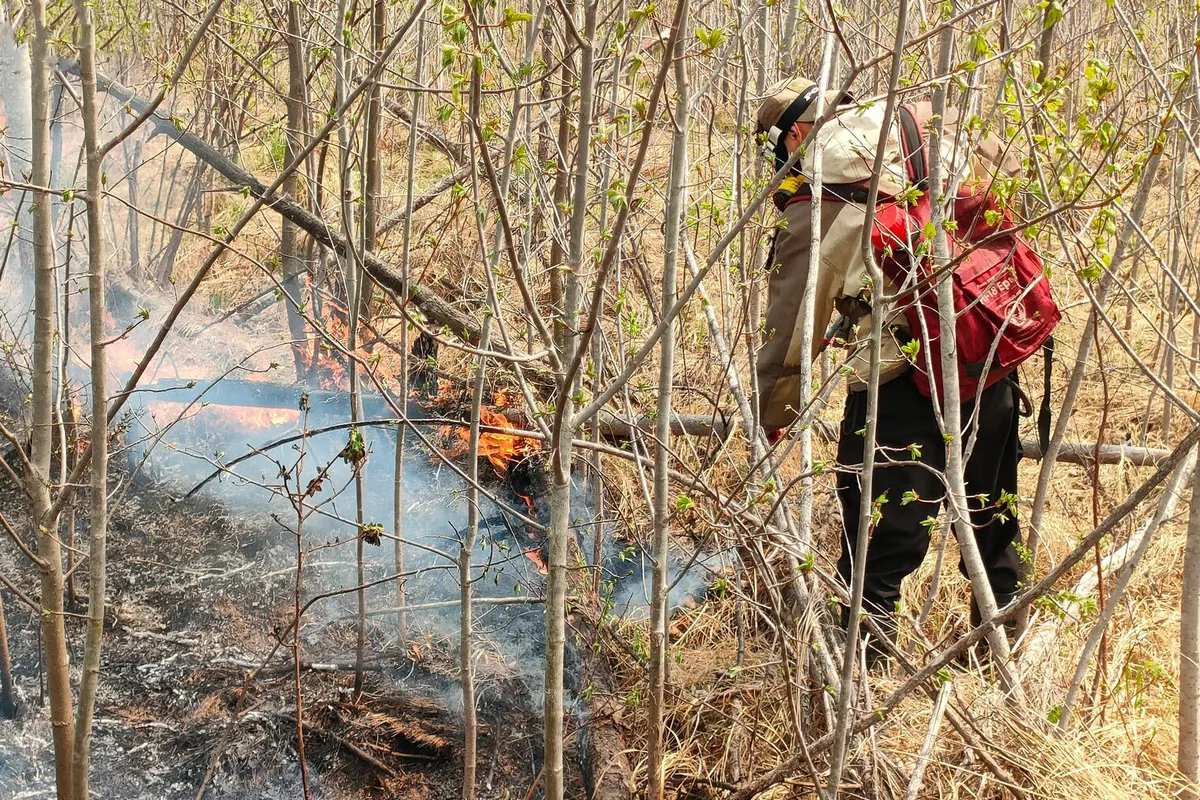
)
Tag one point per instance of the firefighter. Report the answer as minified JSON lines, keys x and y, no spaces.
{"x":911,"y":452}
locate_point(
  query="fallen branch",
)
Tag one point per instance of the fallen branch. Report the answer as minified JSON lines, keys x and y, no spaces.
{"x":433,"y":306}
{"x":437,"y":190}
{"x":720,"y":423}
{"x":350,"y":747}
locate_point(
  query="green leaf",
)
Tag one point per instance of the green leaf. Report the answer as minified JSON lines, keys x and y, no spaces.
{"x":512,"y":17}
{"x":371,"y":533}
{"x":355,"y":451}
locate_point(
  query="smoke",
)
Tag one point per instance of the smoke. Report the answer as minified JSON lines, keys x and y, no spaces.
{"x":687,"y":580}
{"x":506,"y":564}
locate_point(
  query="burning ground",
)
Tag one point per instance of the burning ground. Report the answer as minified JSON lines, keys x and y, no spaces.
{"x":197,"y":688}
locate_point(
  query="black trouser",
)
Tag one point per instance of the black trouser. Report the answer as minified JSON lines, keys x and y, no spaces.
{"x":901,"y":537}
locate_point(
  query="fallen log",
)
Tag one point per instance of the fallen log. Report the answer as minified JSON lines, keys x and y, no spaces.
{"x":721,"y":423}
{"x":433,"y":306}
{"x":263,"y":394}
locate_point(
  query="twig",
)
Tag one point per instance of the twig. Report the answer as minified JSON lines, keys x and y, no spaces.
{"x":935,"y":723}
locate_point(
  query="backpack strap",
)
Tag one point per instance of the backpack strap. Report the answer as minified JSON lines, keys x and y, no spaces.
{"x":1043,"y":420}
{"x":837,"y":192}
{"x":912,"y":146}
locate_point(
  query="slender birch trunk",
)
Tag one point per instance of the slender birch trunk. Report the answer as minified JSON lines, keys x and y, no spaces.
{"x":353,"y":275}
{"x":289,"y":249}
{"x":563,"y":432}
{"x":808,"y":305}
{"x":951,"y":397}
{"x":402,"y":388}
{"x":867,"y":506}
{"x":466,"y":633}
{"x":659,"y":612}
{"x":1189,"y":652}
{"x":42,"y":445}
{"x":98,"y":512}
{"x":1083,"y":354}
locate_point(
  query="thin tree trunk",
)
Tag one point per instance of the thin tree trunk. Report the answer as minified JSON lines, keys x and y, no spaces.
{"x":466,"y":635}
{"x":659,"y":613}
{"x":38,"y":476}
{"x":289,"y":252}
{"x":8,"y":700}
{"x":298,"y":609}
{"x":808,"y":305}
{"x":372,"y":164}
{"x":866,"y":507}
{"x":951,"y":398}
{"x":563,"y":432}
{"x":98,"y":511}
{"x":402,"y":389}
{"x":1042,"y":493}
{"x":353,"y":277}
{"x":15,"y":94}
{"x":1166,"y":506}
{"x":1189,"y":653}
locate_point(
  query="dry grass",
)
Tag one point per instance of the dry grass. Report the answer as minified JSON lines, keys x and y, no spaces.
{"x":728,"y":721}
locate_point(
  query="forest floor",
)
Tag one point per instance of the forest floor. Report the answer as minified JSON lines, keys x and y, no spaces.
{"x":195,"y":594}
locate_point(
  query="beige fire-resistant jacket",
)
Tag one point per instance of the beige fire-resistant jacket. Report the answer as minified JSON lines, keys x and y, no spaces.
{"x":842,"y":277}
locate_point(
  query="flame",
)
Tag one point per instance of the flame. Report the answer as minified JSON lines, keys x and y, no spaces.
{"x":234,"y":416}
{"x":329,"y":367}
{"x":498,"y":448}
{"x":535,"y":555}
{"x":529,"y":503}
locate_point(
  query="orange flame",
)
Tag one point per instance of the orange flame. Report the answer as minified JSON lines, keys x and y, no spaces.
{"x":328,"y":368}
{"x":234,"y":416}
{"x":535,"y":555}
{"x":498,"y":448}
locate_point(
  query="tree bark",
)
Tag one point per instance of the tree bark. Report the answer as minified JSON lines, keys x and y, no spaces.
{"x":563,"y":431}
{"x":1083,"y":354}
{"x":1189,"y":653}
{"x":956,"y":489}
{"x":372,"y":165}
{"x":38,"y":476}
{"x":289,"y":250}
{"x":15,"y":95}
{"x":8,"y":700}
{"x":866,"y":507}
{"x":659,"y":613}
{"x":466,"y":633}
{"x":98,"y":511}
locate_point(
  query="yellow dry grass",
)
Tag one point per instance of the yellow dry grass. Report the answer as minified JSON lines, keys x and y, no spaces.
{"x":730,"y":722}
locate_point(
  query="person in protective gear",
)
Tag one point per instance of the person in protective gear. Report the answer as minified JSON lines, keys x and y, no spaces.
{"x":911,"y":451}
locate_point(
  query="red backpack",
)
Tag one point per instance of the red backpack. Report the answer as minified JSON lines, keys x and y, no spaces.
{"x":1005,"y":309}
